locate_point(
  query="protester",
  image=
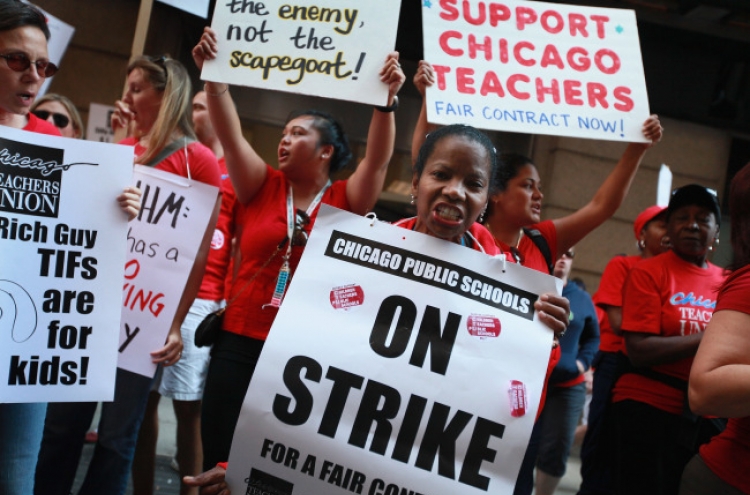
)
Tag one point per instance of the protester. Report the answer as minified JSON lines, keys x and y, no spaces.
{"x":278,"y":205}
{"x":157,"y":103}
{"x":23,"y":47}
{"x":514,"y":217}
{"x":720,"y":376}
{"x":596,"y":452}
{"x":61,"y":112}
{"x":450,"y":186}
{"x":184,"y":382}
{"x":514,"y":210}
{"x":667,"y":302}
{"x":566,"y":393}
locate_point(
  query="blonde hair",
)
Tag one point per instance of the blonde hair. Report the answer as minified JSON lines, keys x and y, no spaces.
{"x":75,"y":117}
{"x":169,"y":77}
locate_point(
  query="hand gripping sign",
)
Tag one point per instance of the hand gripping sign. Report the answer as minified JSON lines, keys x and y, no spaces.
{"x":535,"y":67}
{"x":329,"y":48}
{"x":388,"y":368}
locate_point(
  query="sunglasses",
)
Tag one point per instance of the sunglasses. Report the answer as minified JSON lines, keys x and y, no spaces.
{"x":19,"y":62}
{"x":61,"y":121}
{"x":568,"y":254}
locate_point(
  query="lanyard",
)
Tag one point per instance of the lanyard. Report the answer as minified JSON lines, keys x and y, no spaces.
{"x":285,"y":270}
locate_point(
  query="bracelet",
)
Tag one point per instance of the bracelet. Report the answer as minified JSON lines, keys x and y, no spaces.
{"x":390,"y":108}
{"x":216,"y":95}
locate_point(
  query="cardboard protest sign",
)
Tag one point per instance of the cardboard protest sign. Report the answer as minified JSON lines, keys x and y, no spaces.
{"x":100,"y":124}
{"x":536,"y":67}
{"x":163,"y":242}
{"x":398,"y":363}
{"x":333,"y":48}
{"x":62,"y":239}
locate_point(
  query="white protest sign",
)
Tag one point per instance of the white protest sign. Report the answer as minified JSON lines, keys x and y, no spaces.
{"x":195,"y":7}
{"x":163,"y":242}
{"x":536,"y":67}
{"x":333,"y":48}
{"x":664,"y":185}
{"x":396,"y":364}
{"x":62,"y":239}
{"x":99,"y":126}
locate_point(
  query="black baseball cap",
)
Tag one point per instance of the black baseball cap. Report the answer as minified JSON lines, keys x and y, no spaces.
{"x":695,"y":194}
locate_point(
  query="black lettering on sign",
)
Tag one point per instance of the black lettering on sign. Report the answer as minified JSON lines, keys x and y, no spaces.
{"x":431,"y":271}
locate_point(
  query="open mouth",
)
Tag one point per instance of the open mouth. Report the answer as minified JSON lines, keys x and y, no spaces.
{"x":449,"y":213}
{"x":26,"y":98}
{"x":283,"y":153}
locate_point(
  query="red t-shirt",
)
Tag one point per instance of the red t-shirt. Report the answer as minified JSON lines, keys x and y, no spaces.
{"x":532,"y":256}
{"x":727,"y":454}
{"x":670,"y":297}
{"x":610,"y":294}
{"x":201,"y":161}
{"x":35,"y":124}
{"x":477,"y":231}
{"x":212,"y":285}
{"x":264,"y":227}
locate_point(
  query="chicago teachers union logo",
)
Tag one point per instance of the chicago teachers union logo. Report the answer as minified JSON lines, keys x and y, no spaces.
{"x":30,"y":179}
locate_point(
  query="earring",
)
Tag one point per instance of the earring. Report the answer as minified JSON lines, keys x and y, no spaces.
{"x":641,"y":244}
{"x":413,"y":198}
{"x":480,"y":219}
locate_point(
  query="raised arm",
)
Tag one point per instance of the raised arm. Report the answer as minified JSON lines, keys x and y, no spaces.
{"x":246,"y":168}
{"x":720,"y":376}
{"x":611,"y":193}
{"x":366,"y":182}
{"x":423,"y":78}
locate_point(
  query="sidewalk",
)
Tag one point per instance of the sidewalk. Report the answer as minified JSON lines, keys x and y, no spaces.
{"x":167,"y":480}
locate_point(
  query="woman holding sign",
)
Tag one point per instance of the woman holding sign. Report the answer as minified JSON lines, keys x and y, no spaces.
{"x":157,"y":107}
{"x":450,"y":185}
{"x":25,"y":65}
{"x":278,"y":205}
{"x":514,"y":213}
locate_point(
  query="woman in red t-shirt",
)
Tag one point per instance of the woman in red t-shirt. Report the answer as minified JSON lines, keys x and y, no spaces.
{"x":450,"y":187}
{"x":720,"y":376}
{"x":515,"y":207}
{"x":667,"y":302}
{"x":156,"y":107}
{"x":278,"y":208}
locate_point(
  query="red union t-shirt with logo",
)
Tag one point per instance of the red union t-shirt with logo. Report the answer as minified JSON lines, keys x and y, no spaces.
{"x":670,"y":297}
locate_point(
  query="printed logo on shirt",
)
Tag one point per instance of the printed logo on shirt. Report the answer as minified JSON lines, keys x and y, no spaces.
{"x":695,"y":313}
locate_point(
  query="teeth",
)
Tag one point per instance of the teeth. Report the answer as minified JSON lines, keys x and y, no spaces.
{"x":448,"y":213}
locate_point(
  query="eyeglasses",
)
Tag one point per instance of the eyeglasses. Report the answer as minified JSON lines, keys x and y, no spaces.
{"x":61,"y":120}
{"x":19,"y":62}
{"x":299,"y":237}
